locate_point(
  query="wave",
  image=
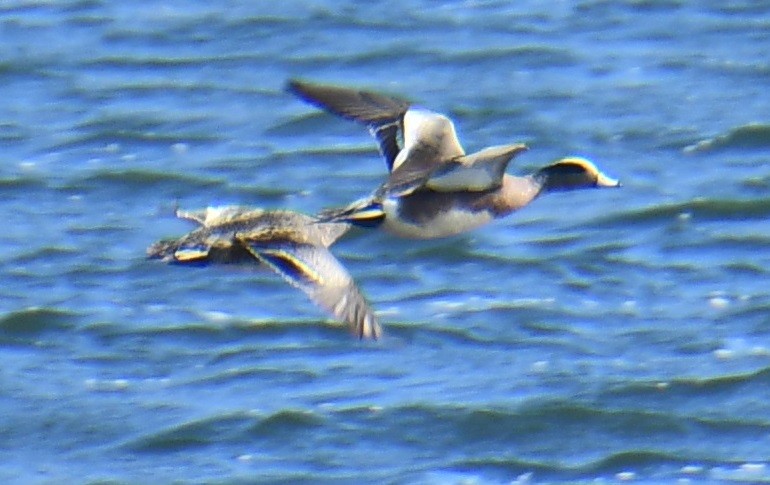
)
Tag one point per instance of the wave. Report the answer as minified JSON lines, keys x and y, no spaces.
{"x":108,"y":132}
{"x":133,"y":178}
{"x":115,"y":62}
{"x":526,"y":56}
{"x":48,"y":253}
{"x":752,"y":136}
{"x":23,"y":183}
{"x":235,"y":427}
{"x":274,"y":374}
{"x":531,"y":56}
{"x":107,"y":136}
{"x":25,"y":326}
{"x":285,"y":421}
{"x":693,"y":387}
{"x":25,"y":68}
{"x":13,"y":132}
{"x":174,"y":183}
{"x":549,"y":419}
{"x":702,"y":209}
{"x":550,"y":439}
{"x":224,"y":329}
{"x":584,"y":441}
{"x":616,"y":464}
{"x":193,"y":434}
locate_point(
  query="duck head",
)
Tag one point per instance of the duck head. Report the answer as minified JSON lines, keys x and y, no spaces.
{"x":573,"y":173}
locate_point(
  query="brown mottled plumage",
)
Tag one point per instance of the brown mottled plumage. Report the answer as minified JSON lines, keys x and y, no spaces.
{"x":292,"y":244}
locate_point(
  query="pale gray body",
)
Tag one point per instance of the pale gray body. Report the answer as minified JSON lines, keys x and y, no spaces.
{"x":434,"y":188}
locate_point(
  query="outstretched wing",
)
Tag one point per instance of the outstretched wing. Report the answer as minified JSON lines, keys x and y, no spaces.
{"x":430,"y":143}
{"x":383,"y":115}
{"x":431,"y":155}
{"x":315,"y":271}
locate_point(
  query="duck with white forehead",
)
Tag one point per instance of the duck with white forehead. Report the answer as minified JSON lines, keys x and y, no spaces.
{"x":434,"y":188}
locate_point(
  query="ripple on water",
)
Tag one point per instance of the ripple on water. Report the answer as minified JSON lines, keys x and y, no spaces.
{"x":134,"y":179}
{"x":701,"y":397}
{"x":116,"y":108}
{"x":194,"y":434}
{"x":704,"y":209}
{"x":753,"y":136}
{"x":461,"y":439}
{"x":21,"y":184}
{"x":27,"y":325}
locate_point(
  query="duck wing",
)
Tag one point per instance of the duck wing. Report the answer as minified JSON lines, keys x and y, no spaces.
{"x":315,"y":271}
{"x":383,"y":115}
{"x":477,"y":172}
{"x":430,"y":143}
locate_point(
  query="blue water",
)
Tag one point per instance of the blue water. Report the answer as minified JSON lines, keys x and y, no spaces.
{"x":598,"y":335}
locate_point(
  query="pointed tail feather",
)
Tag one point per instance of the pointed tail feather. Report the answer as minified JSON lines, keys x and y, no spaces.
{"x":364,"y":213}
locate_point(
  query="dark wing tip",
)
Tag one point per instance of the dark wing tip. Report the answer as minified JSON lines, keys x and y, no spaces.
{"x":315,"y":271}
{"x":296,"y":87}
{"x":317,"y":94}
{"x":353,"y":308}
{"x":368,"y":107}
{"x":368,"y":328}
{"x":381,"y":113}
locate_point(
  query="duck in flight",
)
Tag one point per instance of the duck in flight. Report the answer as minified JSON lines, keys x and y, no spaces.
{"x":291,"y":244}
{"x":434,"y":189}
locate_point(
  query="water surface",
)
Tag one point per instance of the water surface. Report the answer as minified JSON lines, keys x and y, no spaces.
{"x":596,"y":335}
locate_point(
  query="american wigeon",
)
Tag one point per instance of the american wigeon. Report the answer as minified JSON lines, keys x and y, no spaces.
{"x":434,"y":188}
{"x":292,"y":244}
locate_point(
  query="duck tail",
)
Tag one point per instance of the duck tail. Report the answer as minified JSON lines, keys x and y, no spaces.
{"x":364,"y":213}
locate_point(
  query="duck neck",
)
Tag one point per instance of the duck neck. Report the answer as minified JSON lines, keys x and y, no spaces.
{"x":543,"y":180}
{"x":516,"y":192}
